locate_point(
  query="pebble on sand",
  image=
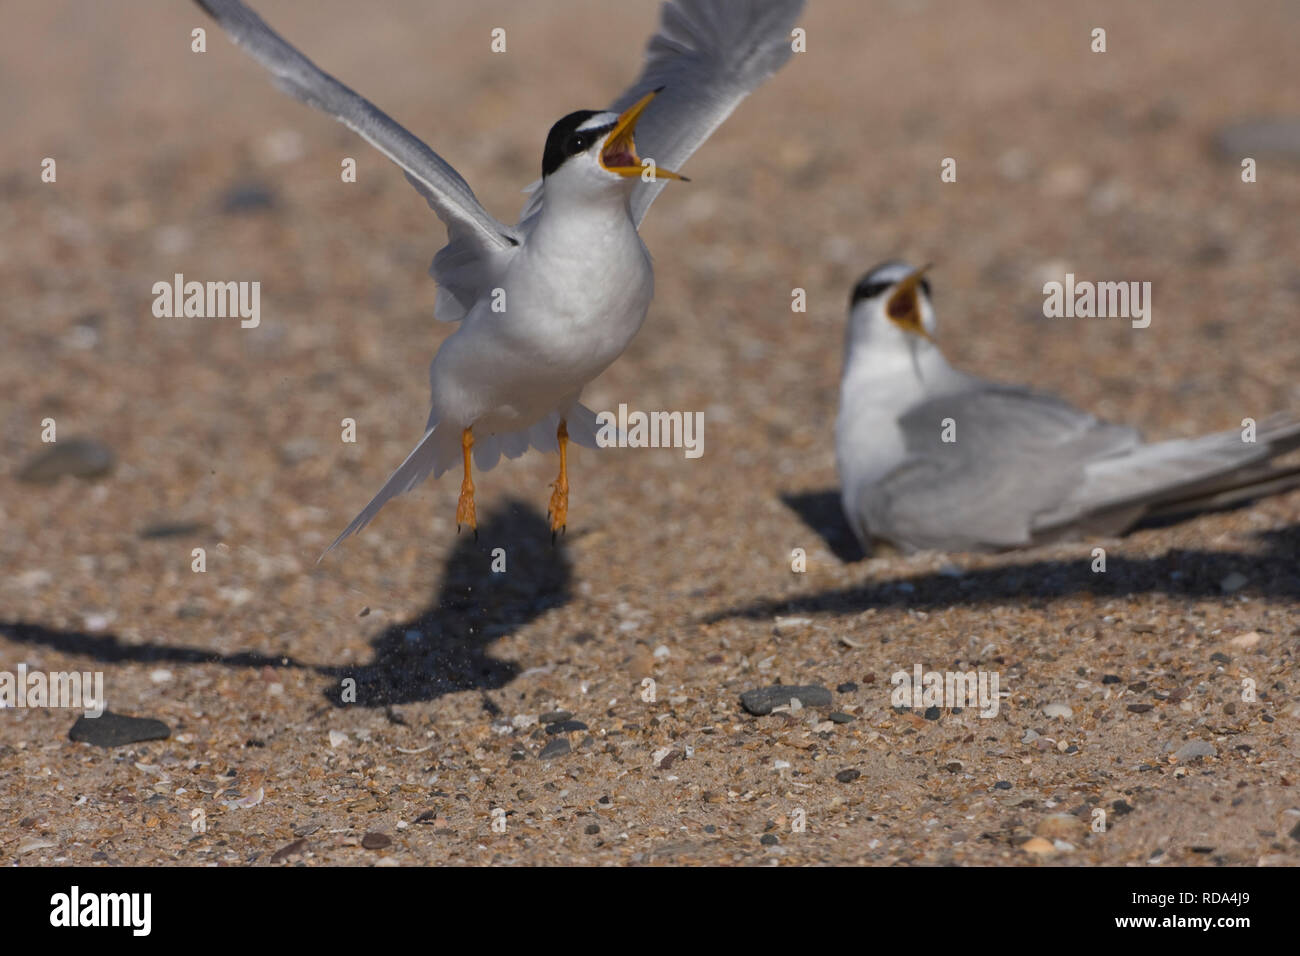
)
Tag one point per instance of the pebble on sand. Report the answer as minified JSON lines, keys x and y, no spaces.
{"x":247,"y":197}
{"x":785,"y":626}
{"x":558,"y":747}
{"x":1038,"y":846}
{"x":1059,"y":826}
{"x":565,"y":727}
{"x":1260,"y":137}
{"x":1058,"y":709}
{"x":78,"y":457}
{"x":172,"y":529}
{"x":115,"y":730}
{"x":1195,"y":748}
{"x":762,"y":700}
{"x":295,"y":848}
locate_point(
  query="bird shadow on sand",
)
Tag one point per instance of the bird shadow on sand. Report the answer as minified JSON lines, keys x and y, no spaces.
{"x":441,"y":649}
{"x":1271,"y":572}
{"x":821,"y":511}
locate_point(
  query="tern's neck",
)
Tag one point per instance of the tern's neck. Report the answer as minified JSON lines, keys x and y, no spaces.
{"x":568,"y":199}
{"x":899,"y":367}
{"x":585,"y":219}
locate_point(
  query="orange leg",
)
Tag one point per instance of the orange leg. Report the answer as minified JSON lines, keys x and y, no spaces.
{"x":465,"y":506}
{"x":559,"y":507}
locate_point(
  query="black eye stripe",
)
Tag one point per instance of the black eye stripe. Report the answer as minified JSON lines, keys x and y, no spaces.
{"x":561,"y":136}
{"x":582,"y":140}
{"x":869,"y":288}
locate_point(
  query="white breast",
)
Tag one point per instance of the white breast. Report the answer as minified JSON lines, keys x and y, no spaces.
{"x":588,"y":281}
{"x":569,"y":304}
{"x":877,"y":388}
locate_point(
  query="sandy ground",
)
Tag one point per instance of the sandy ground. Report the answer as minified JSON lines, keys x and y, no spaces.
{"x":228,"y":439}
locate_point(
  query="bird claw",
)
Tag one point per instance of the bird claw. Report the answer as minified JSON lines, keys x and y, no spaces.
{"x":558,"y":509}
{"x":465,"y":513}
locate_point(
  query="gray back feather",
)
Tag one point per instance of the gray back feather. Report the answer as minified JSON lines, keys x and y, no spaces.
{"x":1017,"y":453}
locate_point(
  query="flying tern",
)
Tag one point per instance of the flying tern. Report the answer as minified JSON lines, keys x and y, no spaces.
{"x":544,"y":306}
{"x":932,"y":458}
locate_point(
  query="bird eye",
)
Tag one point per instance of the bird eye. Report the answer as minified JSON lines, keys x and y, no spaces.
{"x":872,"y":289}
{"x":578,"y":143}
{"x":925,"y":284}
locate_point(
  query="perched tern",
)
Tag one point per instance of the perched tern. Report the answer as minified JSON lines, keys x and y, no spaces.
{"x":546,"y":305}
{"x":931,"y":458}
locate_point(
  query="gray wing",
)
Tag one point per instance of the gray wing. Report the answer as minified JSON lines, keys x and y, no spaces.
{"x":475,"y":235}
{"x":1017,"y":454}
{"x":708,"y":56}
{"x":1181,"y":475}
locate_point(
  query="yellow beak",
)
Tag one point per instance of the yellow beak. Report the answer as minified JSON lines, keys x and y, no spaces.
{"x":904,"y":307}
{"x":620,"y":156}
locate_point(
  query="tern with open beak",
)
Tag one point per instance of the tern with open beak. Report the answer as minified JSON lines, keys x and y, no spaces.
{"x":931,"y":458}
{"x":546,"y":305}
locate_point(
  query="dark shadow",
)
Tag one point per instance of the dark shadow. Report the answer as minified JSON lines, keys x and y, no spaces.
{"x":441,"y":649}
{"x":444,"y":647}
{"x":1273,"y":574}
{"x":110,"y":650}
{"x":1172,"y":518}
{"x":821,"y":511}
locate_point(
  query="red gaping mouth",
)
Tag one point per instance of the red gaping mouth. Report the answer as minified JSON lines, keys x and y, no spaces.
{"x":903,"y":307}
{"x":619,"y":155}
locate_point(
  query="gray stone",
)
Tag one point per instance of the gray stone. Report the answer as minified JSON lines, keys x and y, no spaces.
{"x":115,"y":730}
{"x":78,"y":457}
{"x":1195,"y":748}
{"x":558,"y":747}
{"x":1256,"y":138}
{"x":762,"y":700}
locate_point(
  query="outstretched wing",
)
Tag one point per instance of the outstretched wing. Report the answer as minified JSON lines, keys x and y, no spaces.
{"x":708,"y":56}
{"x":474,"y":233}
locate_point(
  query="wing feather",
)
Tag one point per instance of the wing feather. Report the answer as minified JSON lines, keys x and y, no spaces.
{"x":1016,"y":454}
{"x":472,"y":229}
{"x":707,"y":55}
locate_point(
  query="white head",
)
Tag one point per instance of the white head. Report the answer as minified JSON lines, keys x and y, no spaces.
{"x":890,"y":311}
{"x":591,"y":154}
